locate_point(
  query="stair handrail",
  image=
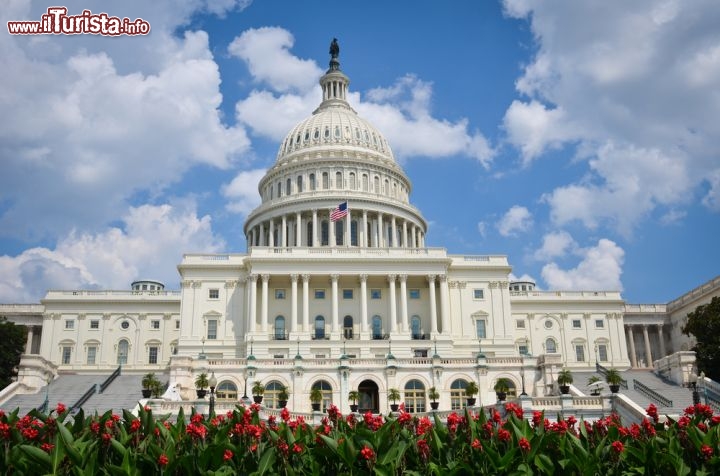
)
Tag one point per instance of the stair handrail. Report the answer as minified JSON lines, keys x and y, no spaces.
{"x":110,"y":379}
{"x":603,"y":371}
{"x":86,"y":396}
{"x":712,"y":398}
{"x":652,"y":394}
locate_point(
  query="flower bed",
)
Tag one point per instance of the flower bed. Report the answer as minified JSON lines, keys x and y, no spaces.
{"x":239,"y":442}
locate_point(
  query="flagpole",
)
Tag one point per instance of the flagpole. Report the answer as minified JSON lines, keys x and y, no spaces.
{"x":348,"y":226}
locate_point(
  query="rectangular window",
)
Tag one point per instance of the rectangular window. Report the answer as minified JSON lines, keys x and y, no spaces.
{"x":279,"y":294}
{"x":414,"y":294}
{"x":420,"y":352}
{"x":66,"y":353}
{"x":602,"y":353}
{"x":211,"y":329}
{"x":152,"y":355}
{"x":520,"y":324}
{"x":91,"y":354}
{"x":523,"y":349}
{"x":480,"y":328}
{"x":177,"y":324}
{"x":155,"y":324}
{"x":214,"y":294}
{"x":599,"y":323}
{"x":70,"y":324}
{"x":576,"y":324}
{"x":375,"y":294}
{"x":478,"y":294}
{"x":319,"y":294}
{"x":347,"y":293}
{"x":580,"y":353}
{"x":94,"y":324}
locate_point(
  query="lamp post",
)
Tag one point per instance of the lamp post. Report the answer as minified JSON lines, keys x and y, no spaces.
{"x":702,"y":385}
{"x":693,"y":386}
{"x":213,"y":383}
{"x":522,"y":378}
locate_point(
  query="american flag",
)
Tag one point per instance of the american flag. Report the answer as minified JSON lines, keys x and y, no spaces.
{"x":340,"y":212}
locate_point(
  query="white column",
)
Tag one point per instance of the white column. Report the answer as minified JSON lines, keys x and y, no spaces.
{"x":662,"y":340}
{"x":433,"y":304}
{"x":363,"y":303}
{"x":348,"y":228}
{"x":404,"y":234}
{"x":264,"y":303}
{"x":271,"y":234}
{"x":298,"y":229}
{"x":648,"y":351}
{"x":315,"y":228}
{"x":284,"y":232}
{"x":252,"y":282}
{"x":261,"y":241}
{"x":381,"y":239}
{"x":335,"y":314}
{"x":364,"y":229}
{"x":631,"y":339}
{"x":306,"y":302}
{"x":293,"y":303}
{"x":331,"y":231}
{"x":413,"y":236}
{"x":403,"y":302}
{"x":393,"y":227}
{"x":444,"y":304}
{"x":28,"y":343}
{"x":373,"y":233}
{"x":393,"y":304}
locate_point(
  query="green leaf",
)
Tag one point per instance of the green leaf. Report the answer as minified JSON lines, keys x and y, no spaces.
{"x":68,"y":441}
{"x":36,"y":454}
{"x":544,"y":463}
{"x":267,"y":461}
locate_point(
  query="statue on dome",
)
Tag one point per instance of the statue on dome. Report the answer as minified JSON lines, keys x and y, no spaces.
{"x":334,"y":49}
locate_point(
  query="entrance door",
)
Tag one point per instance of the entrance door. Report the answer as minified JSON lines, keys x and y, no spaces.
{"x":369,"y":400}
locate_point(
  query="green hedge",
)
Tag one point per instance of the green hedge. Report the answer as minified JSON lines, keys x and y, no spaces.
{"x":241,"y":443}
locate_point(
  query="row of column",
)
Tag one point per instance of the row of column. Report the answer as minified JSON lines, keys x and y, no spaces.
{"x":411,"y":235}
{"x":392,"y":279}
{"x":646,"y":338}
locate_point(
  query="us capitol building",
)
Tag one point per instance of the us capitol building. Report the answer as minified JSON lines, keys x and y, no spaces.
{"x":338,"y":291}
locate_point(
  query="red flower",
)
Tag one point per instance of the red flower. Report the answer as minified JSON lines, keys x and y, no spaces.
{"x":47,"y":447}
{"x":285,"y":414}
{"x":60,"y":409}
{"x":423,"y":449}
{"x":476,"y":444}
{"x":135,"y":426}
{"x":652,"y":412}
{"x":524,"y":444}
{"x":618,"y":447}
{"x":163,"y":460}
{"x":367,"y":453}
{"x":297,"y":449}
{"x":228,"y":455}
{"x":706,"y":451}
{"x":503,"y":434}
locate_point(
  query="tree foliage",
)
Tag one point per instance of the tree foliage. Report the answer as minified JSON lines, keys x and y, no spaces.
{"x":12,"y":345}
{"x":704,"y":324}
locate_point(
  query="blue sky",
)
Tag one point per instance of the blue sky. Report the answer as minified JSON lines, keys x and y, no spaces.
{"x":580,"y":139}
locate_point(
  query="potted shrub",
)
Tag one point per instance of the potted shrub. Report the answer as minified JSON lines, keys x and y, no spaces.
{"x":353,"y":396}
{"x":150,"y":385}
{"x":594,"y":389}
{"x":201,"y":385}
{"x":257,"y":390}
{"x":502,"y":386}
{"x":613,"y":378}
{"x":283,"y":396}
{"x":394,"y":396}
{"x":564,"y":379}
{"x":433,"y":395}
{"x":316,"y":398}
{"x":470,"y":391}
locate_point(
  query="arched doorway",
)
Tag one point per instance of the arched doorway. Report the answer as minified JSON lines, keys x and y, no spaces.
{"x":369,"y":400}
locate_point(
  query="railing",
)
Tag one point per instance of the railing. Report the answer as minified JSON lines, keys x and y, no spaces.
{"x":110,"y":379}
{"x":279,"y":335}
{"x":86,"y":396}
{"x":603,"y":371}
{"x":712,"y":398}
{"x":380,"y":336}
{"x":420,"y":336}
{"x":651,"y":394}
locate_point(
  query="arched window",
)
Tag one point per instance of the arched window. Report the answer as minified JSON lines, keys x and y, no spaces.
{"x":339,"y":232}
{"x":325,"y":181}
{"x":414,"y":396}
{"x":312,"y":182}
{"x":310,"y":239}
{"x":226,"y":391}
{"x":353,"y":233}
{"x":319,"y":328}
{"x":122,"y":351}
{"x":458,"y":400}
{"x":365,"y":183}
{"x":279,"y":189}
{"x":339,"y":180}
{"x":351,"y":180}
{"x":377,"y":328}
{"x":550,"y":347}
{"x":270,"y":398}
{"x":272,"y":192}
{"x":299,"y":184}
{"x":280,"y":328}
{"x":376,"y":184}
{"x":386,"y":190}
{"x":326,"y":390}
{"x":288,"y":186}
{"x":348,"y":327}
{"x":324,"y":239}
{"x":415,"y":328}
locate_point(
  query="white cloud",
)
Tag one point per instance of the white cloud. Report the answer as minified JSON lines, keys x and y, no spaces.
{"x":242,"y":191}
{"x":600,"y":268}
{"x":634,"y":87}
{"x":149,"y":245}
{"x":482,"y":228}
{"x":516,"y":220}
{"x":555,"y":244}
